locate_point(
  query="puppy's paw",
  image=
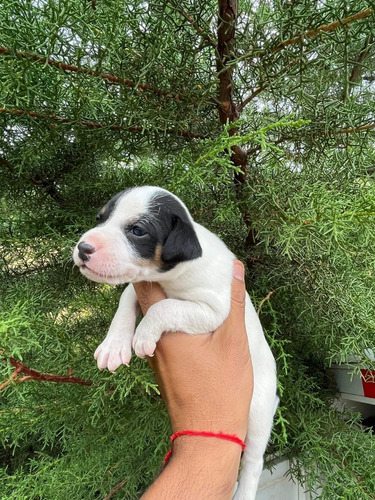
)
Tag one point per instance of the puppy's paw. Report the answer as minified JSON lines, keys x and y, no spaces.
{"x":112,"y":353}
{"x":145,"y":339}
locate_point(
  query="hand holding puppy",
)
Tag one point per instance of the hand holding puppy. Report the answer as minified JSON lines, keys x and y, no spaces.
{"x":206,"y":382}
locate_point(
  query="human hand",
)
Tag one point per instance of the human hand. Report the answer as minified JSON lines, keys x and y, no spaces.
{"x":205,"y":380}
{"x":207,"y":383}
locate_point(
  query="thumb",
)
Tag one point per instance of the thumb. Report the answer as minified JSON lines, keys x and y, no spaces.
{"x":238,"y":287}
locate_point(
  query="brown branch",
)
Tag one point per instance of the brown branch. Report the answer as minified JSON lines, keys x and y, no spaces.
{"x":13,"y":273}
{"x":226,"y":107}
{"x":115,"y":490}
{"x":252,"y":96}
{"x":10,"y":379}
{"x":4,"y":162}
{"x":87,"y":71}
{"x":264,"y":300}
{"x":356,"y":72}
{"x":362,"y":128}
{"x":358,"y":65}
{"x":93,"y":4}
{"x":257,"y":91}
{"x":196,"y":26}
{"x":48,"y":184}
{"x":182,"y":133}
{"x":32,"y":374}
{"x":325,"y":28}
{"x":50,"y":187}
{"x":228,"y":113}
{"x":226,"y":45}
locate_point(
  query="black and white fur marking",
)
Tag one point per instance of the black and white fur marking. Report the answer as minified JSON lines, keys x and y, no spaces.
{"x":147,"y":233}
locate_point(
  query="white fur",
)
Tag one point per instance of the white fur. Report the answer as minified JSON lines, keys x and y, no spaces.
{"x":198,"y":301}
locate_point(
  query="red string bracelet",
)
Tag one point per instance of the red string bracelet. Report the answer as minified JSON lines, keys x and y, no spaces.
{"x":219,"y":435}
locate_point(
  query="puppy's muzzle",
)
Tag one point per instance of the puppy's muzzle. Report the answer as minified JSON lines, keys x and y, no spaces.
{"x":85,"y":250}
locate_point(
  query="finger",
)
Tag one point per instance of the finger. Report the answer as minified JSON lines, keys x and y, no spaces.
{"x":148,"y":293}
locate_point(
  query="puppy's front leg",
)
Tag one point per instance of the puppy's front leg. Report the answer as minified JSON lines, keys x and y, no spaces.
{"x":115,"y":349}
{"x":174,"y":315}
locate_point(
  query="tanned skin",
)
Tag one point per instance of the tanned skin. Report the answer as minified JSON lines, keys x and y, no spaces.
{"x":206,"y":382}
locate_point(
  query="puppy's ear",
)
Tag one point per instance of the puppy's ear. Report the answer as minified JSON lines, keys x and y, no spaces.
{"x":181,"y":244}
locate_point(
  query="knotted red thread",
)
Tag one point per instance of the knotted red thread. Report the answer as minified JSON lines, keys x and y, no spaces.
{"x":219,"y":435}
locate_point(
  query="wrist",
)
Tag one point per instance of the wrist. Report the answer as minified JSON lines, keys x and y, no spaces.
{"x":215,"y":460}
{"x":232,"y":438}
{"x":199,"y":468}
{"x":194,"y":421}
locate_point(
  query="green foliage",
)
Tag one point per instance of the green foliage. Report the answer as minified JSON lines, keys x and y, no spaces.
{"x":302,"y":219}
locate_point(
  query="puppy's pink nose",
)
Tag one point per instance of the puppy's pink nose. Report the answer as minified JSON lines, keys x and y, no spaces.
{"x":85,"y":250}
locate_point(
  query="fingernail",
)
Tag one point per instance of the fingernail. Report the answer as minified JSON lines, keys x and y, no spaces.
{"x":239,"y":271}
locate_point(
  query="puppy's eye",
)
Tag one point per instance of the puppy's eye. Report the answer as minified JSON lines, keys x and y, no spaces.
{"x":137,"y":231}
{"x":98,"y":217}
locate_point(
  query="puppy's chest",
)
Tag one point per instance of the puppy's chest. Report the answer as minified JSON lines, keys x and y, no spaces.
{"x":181,"y":289}
{"x":179,"y":293}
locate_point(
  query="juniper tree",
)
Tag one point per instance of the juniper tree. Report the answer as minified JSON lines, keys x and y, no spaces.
{"x":259,"y":115}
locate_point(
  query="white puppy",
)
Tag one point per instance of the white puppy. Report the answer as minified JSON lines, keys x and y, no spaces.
{"x":147,"y":233}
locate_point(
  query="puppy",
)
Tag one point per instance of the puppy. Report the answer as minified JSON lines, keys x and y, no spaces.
{"x":147,"y":234}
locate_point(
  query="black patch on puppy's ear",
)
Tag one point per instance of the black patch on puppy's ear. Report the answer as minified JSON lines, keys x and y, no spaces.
{"x":175,"y":231}
{"x":181,"y":244}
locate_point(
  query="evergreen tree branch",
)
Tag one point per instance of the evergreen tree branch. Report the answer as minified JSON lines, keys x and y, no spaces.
{"x":87,"y":71}
{"x":252,"y":96}
{"x":358,"y":65}
{"x":309,"y":229}
{"x":260,"y":89}
{"x":352,"y":130}
{"x":265,"y":300}
{"x":32,"y":374}
{"x":22,"y":410}
{"x":357,"y":68}
{"x":10,"y":379}
{"x":203,"y":33}
{"x":325,"y":28}
{"x":48,"y":184}
{"x":275,"y":143}
{"x":182,"y":133}
{"x":359,"y":481}
{"x":50,"y":187}
{"x":115,"y":490}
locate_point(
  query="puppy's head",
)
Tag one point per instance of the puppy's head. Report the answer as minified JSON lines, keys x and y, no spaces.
{"x":141,"y":234}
